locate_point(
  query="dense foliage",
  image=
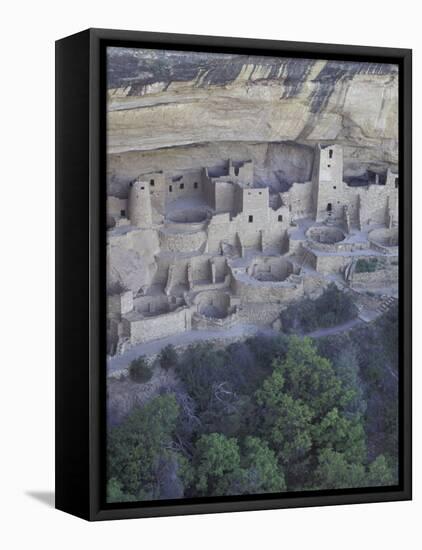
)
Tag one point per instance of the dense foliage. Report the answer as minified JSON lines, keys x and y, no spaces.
{"x":368,"y":265}
{"x":332,"y":308}
{"x":266,"y":415}
{"x":139,"y":370}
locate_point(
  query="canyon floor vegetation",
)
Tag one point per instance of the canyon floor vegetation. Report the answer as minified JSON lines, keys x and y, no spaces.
{"x":270,"y":414}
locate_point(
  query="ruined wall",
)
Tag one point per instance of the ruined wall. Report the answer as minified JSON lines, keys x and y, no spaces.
{"x":259,"y":314}
{"x":254,"y":228}
{"x":157,"y":304}
{"x":220,"y":229}
{"x":270,"y":268}
{"x":242,"y":172}
{"x":200,"y":322}
{"x":221,"y":268}
{"x":375,"y":201}
{"x":171,"y":270}
{"x":152,"y":328}
{"x":201,"y":268}
{"x":118,"y":304}
{"x":215,"y":299}
{"x":299,"y":200}
{"x":380,"y":278}
{"x":252,"y":292}
{"x":117,"y":207}
{"x":131,"y":258}
{"x":184,"y":185}
{"x":255,"y":202}
{"x":224,"y":196}
{"x":328,"y":263}
{"x":181,"y":242}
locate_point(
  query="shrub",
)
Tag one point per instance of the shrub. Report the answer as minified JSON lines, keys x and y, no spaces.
{"x":333,"y":307}
{"x":168,"y":357}
{"x":139,"y":371}
{"x":364,"y":265}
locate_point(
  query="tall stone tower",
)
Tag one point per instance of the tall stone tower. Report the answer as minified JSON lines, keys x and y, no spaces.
{"x":328,"y":186}
{"x":140,"y":212}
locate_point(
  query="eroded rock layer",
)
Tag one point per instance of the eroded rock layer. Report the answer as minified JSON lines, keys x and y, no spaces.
{"x":176,"y":110}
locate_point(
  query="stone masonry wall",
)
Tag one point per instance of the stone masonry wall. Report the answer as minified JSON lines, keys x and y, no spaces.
{"x":152,"y":328}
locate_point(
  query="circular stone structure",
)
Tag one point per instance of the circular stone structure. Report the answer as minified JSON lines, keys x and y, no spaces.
{"x":270,"y":269}
{"x":214,"y":305}
{"x":188,"y":216}
{"x":325,"y":235}
{"x":385,"y":236}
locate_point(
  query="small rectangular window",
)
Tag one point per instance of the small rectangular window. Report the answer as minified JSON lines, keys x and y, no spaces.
{"x":182,"y":186}
{"x":152,"y":183}
{"x":250,"y":219}
{"x":329,"y":165}
{"x":122,"y":213}
{"x":396,"y":183}
{"x":195,"y":185}
{"x":330,"y":153}
{"x":142,"y":188}
{"x":280,"y":218}
{"x":170,"y":188}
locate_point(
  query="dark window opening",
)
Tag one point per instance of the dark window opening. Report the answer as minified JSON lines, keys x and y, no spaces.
{"x":236,"y":171}
{"x":122,"y":213}
{"x":250,"y":219}
{"x":329,"y":165}
{"x":280,"y":218}
{"x":259,"y":193}
{"x":195,"y":185}
{"x":170,"y":188}
{"x":142,"y":188}
{"x":334,"y":186}
{"x":396,"y":182}
{"x":152,"y":183}
{"x":182,"y":186}
{"x":330,"y":153}
{"x":329,"y":207}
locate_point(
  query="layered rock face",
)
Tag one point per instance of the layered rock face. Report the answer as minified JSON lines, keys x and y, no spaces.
{"x":180,"y":110}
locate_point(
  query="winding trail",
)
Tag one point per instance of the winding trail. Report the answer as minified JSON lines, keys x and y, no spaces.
{"x":118,"y":363}
{"x":321,"y":332}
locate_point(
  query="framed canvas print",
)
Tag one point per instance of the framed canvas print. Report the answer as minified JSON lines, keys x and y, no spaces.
{"x":233,"y":274}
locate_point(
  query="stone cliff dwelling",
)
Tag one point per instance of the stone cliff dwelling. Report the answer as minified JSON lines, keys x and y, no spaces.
{"x":210,"y":249}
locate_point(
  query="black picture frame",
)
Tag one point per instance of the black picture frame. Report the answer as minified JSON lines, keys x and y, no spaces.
{"x":80,"y":272}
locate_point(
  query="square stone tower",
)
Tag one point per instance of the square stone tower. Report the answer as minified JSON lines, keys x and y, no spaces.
{"x":328,"y":185}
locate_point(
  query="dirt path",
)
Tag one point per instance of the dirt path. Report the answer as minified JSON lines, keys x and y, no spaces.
{"x":120,"y":362}
{"x":320,"y":333}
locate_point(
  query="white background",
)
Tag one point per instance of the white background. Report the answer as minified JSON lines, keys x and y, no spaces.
{"x":28,"y":31}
